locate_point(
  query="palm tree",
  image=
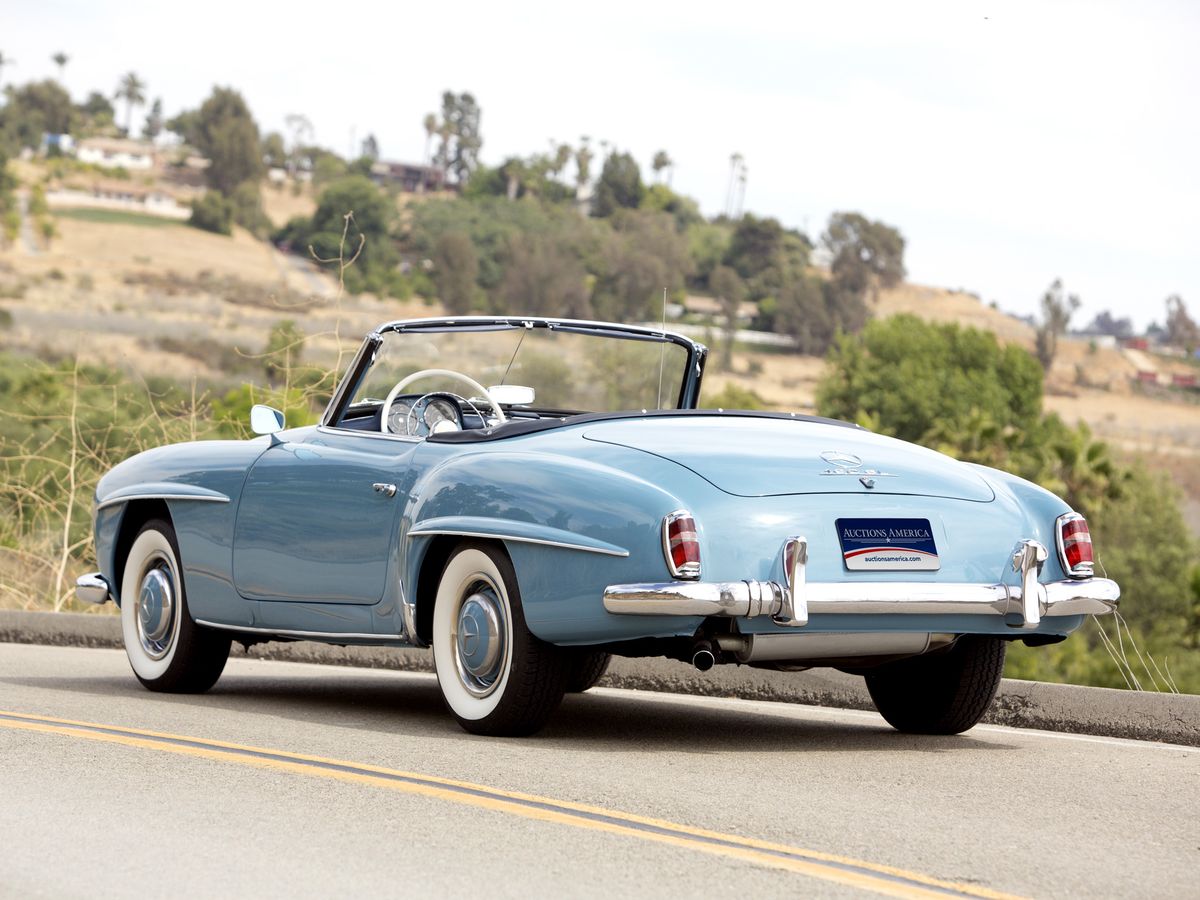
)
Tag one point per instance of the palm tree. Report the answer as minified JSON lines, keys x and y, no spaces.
{"x":431,"y":127}
{"x":583,"y":165}
{"x":741,"y":198}
{"x":133,"y":91}
{"x":60,"y":60}
{"x":735,"y":163}
{"x":661,"y":161}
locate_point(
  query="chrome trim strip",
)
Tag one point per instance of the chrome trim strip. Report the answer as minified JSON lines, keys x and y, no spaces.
{"x":125,"y":498}
{"x":355,"y":432}
{"x":521,"y":539}
{"x":92,"y":588}
{"x":1095,"y":596}
{"x":305,"y":635}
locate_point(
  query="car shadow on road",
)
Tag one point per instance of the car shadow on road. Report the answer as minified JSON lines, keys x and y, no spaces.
{"x":412,"y":706}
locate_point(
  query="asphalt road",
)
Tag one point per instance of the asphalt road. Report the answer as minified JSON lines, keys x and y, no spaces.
{"x":359,"y":782}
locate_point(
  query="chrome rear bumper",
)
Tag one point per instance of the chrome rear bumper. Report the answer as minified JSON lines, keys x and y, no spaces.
{"x":1020,"y":605}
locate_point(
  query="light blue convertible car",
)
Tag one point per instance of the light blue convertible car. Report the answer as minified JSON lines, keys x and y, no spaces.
{"x":528,"y":497}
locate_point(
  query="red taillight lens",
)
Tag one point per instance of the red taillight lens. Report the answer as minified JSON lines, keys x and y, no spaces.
{"x":1075,"y":545}
{"x":680,"y":545}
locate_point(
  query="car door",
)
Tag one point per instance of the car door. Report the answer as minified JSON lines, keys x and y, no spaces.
{"x":318,"y":516}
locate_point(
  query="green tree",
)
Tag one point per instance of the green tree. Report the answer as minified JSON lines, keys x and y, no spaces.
{"x":212,"y":211}
{"x":97,"y":111}
{"x":708,"y":244}
{"x":620,"y":186}
{"x":1143,"y":542}
{"x":1057,"y":309}
{"x":659,"y":197}
{"x":154,"y":121}
{"x":455,"y":266}
{"x":132,"y":90}
{"x":372,"y":217}
{"x":461,"y":138}
{"x":803,"y":310}
{"x":224,"y":131}
{"x":60,"y":59}
{"x":730,"y":291}
{"x":865,"y":255}
{"x":642,"y":256}
{"x":370,"y":148}
{"x":274,"y":151}
{"x":32,"y":110}
{"x":909,"y":376}
{"x":542,"y":277}
{"x":755,"y":246}
{"x":661,"y":162}
{"x":285,"y":346}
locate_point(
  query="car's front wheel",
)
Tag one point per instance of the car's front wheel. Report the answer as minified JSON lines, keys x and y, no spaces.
{"x":496,"y":677}
{"x":166,"y":649}
{"x":942,"y":693}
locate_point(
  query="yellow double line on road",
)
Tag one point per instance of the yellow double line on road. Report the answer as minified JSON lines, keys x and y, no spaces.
{"x":869,"y":876}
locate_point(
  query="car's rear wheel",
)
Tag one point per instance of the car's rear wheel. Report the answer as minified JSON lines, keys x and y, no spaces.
{"x":587,"y":668}
{"x":496,"y":677}
{"x":943,"y":693}
{"x":166,"y":649}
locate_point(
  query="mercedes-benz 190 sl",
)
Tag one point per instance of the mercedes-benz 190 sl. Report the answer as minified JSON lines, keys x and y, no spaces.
{"x":528,"y":497}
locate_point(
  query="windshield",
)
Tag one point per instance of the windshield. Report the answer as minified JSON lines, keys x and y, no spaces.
{"x":569,"y":371}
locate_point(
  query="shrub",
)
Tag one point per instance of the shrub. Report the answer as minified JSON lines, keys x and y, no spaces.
{"x":213,"y":212}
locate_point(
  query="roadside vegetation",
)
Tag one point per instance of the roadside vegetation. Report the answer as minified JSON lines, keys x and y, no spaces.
{"x":958,"y":391}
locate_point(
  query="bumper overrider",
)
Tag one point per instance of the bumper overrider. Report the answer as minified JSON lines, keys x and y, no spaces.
{"x":1020,"y":605}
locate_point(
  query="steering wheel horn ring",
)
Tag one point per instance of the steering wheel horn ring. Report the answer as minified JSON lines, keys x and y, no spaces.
{"x":404,"y":382}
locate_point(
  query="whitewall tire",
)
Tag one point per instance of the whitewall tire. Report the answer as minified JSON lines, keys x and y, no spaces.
{"x":166,"y":649}
{"x":495,"y":676}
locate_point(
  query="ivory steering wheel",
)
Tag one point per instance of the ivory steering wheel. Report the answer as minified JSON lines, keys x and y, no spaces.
{"x":444,"y":373}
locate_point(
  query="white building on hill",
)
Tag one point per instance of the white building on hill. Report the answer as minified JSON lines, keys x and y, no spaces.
{"x":116,"y":153}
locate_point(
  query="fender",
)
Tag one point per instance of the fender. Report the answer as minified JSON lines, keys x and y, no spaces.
{"x":544,"y":505}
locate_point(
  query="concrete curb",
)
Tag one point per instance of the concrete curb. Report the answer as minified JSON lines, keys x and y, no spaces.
{"x":1170,"y":718}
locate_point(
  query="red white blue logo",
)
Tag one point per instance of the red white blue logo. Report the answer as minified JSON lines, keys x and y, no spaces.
{"x":888,"y":545}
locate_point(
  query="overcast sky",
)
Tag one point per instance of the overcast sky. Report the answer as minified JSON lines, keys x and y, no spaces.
{"x":1011,"y":143}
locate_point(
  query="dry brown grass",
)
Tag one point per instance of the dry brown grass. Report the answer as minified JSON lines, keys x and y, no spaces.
{"x":141,"y":284}
{"x":941,"y":305}
{"x":281,"y":203}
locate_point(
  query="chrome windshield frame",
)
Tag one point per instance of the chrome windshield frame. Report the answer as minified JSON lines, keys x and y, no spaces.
{"x":689,"y":391}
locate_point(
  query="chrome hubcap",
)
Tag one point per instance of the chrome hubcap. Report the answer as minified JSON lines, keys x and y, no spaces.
{"x":156,"y":609}
{"x":479,"y":639}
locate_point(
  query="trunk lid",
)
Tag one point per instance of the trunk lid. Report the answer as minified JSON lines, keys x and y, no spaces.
{"x":751,"y":456}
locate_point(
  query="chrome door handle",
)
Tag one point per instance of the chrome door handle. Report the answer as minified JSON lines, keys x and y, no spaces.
{"x":388,"y":490}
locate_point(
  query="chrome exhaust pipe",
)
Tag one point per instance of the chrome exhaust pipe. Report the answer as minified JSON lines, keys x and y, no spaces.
{"x":703,"y":658}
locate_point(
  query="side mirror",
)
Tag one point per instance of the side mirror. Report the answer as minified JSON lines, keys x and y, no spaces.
{"x":265,"y":419}
{"x":511,"y":394}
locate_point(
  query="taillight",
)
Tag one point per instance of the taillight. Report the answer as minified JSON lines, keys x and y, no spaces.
{"x":680,"y":545}
{"x":1075,"y":545}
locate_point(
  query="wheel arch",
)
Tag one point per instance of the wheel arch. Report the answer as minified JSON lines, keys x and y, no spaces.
{"x":136,"y":514}
{"x":432,"y":564}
